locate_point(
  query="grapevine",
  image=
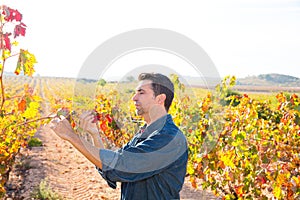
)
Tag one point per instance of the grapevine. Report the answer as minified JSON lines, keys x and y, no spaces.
{"x":19,"y":110}
{"x":257,"y":150}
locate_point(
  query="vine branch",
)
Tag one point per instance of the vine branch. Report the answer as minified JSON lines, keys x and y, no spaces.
{"x":27,"y":122}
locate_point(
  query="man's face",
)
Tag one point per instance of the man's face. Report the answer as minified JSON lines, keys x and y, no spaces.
{"x":144,"y":98}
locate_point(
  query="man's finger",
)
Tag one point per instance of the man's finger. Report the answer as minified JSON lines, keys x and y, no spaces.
{"x":90,"y":118}
{"x":65,"y":121}
{"x":52,"y":126}
{"x":53,"y":123}
{"x":84,"y":115}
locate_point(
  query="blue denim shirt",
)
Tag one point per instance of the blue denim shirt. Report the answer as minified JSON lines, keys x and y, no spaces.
{"x":151,"y":166}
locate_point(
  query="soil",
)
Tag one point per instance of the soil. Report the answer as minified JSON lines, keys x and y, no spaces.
{"x":67,"y":173}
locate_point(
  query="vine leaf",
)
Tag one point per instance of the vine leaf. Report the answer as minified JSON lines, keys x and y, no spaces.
{"x":22,"y":105}
{"x":25,"y":63}
{"x":6,"y":39}
{"x":20,"y":29}
{"x":11,"y":14}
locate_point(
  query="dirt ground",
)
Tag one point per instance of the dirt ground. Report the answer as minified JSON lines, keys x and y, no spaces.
{"x":67,"y":173}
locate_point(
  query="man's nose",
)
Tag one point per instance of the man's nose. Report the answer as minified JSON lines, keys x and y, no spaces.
{"x":134,"y":98}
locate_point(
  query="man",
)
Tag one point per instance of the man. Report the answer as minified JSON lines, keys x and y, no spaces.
{"x":153,"y":164}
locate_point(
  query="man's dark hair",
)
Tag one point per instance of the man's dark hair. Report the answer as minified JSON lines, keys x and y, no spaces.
{"x":161,"y":84}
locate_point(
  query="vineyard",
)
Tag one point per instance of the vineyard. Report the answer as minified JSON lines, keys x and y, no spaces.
{"x":240,"y":146}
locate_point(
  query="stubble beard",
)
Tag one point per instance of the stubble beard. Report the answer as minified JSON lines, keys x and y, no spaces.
{"x":139,"y":112}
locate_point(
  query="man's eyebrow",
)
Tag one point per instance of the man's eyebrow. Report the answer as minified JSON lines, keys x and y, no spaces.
{"x":140,"y":90}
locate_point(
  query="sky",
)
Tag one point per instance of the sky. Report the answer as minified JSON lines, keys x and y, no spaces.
{"x":242,"y":38}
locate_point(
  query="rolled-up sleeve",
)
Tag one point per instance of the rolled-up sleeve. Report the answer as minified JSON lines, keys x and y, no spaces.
{"x":112,"y":184}
{"x":108,"y":158}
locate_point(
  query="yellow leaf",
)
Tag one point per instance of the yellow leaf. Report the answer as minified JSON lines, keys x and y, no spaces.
{"x":297,"y":180}
{"x":15,"y":43}
{"x":190,"y":169}
{"x":234,"y":133}
{"x":281,"y":178}
{"x":32,"y":110}
{"x":227,"y":176}
{"x":277,"y":192}
{"x":8,"y":139}
{"x":15,"y":147}
{"x":2,"y":19}
{"x":6,"y":54}
{"x":26,"y":63}
{"x":227,"y":197}
{"x":37,"y":98}
{"x":227,"y":159}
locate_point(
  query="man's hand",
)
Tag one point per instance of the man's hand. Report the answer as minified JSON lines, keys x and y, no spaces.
{"x":63,"y":129}
{"x":87,"y":123}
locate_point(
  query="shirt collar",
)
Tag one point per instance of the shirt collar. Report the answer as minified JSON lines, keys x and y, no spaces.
{"x":157,"y":125}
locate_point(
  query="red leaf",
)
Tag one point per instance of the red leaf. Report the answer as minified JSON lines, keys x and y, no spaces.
{"x":103,"y":126}
{"x":17,"y":71}
{"x":96,"y":117}
{"x":109,"y":119}
{"x":73,"y":124}
{"x":22,"y":105}
{"x":261,"y":179}
{"x":294,"y":96}
{"x":17,"y":15}
{"x":11,"y":14}
{"x":7,"y":13}
{"x":7,"y":42}
{"x":20,"y":30}
{"x":239,"y":191}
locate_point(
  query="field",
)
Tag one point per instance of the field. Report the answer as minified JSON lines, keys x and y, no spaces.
{"x":243,"y":144}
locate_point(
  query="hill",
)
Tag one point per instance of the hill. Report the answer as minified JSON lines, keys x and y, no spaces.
{"x":278,"y":80}
{"x":261,"y":83}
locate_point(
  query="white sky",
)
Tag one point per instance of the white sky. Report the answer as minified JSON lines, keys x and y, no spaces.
{"x":241,"y":37}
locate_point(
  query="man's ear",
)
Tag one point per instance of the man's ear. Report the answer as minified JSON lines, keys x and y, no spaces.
{"x":161,"y":98}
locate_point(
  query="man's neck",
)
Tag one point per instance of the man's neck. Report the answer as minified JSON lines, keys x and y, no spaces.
{"x":154,"y":115}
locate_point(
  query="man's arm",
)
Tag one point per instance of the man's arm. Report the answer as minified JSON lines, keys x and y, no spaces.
{"x":64,"y":130}
{"x":97,"y":140}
